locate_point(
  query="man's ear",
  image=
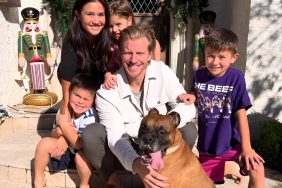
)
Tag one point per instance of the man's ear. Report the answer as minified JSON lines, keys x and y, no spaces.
{"x":234,"y":57}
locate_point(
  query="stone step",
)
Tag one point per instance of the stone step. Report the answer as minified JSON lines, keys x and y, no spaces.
{"x":26,"y":121}
{"x":19,"y":136}
{"x":32,"y":117}
{"x":16,"y":164}
{"x":16,"y":161}
{"x":16,"y":157}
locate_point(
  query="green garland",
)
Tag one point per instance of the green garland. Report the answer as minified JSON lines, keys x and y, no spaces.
{"x":61,"y":11}
{"x":184,"y":9}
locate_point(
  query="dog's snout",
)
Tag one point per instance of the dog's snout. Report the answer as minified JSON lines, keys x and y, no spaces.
{"x":148,"y":139}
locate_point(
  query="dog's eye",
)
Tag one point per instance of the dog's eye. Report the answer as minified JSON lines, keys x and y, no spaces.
{"x":162,"y":132}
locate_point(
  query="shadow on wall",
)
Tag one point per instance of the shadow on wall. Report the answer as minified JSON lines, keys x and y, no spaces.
{"x":264,"y":56}
{"x":184,"y":70}
{"x":263,"y":83}
{"x":11,"y":14}
{"x":58,"y":36}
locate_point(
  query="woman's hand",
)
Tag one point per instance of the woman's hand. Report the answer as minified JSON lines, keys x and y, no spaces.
{"x":63,"y":120}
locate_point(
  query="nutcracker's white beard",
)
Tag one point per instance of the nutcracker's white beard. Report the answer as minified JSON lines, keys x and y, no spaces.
{"x":33,"y":37}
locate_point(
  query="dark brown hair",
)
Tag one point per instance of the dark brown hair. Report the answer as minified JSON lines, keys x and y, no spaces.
{"x":90,"y":58}
{"x":84,"y":81}
{"x":222,"y":39}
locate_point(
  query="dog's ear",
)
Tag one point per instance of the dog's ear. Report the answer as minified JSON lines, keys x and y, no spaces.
{"x":175,"y":117}
{"x":153,"y":110}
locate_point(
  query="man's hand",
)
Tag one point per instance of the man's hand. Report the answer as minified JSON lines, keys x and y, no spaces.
{"x":150,"y":177}
{"x":60,"y":148}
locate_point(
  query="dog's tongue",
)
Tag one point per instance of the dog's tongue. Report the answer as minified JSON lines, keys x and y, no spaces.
{"x":157,"y":160}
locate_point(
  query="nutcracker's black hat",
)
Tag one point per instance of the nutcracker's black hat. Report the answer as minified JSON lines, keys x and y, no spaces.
{"x":207,"y":17}
{"x":30,"y":13}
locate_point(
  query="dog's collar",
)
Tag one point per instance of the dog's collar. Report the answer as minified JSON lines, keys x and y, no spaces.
{"x":172,"y":149}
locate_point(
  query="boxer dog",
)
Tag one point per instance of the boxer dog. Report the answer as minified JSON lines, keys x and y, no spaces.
{"x":161,"y":145}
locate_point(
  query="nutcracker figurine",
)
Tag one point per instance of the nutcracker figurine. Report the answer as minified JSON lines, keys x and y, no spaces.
{"x":34,"y":48}
{"x":207,"y":19}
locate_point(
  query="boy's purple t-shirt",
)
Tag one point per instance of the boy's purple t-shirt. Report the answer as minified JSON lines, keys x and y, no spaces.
{"x":218,"y":98}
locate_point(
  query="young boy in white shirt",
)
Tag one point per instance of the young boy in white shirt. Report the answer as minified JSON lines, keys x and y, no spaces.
{"x":81,"y":101}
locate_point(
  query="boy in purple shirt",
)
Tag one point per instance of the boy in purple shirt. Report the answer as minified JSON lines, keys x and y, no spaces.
{"x":222,"y":100}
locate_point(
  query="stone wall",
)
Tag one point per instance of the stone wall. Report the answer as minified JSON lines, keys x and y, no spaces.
{"x":264,"y":62}
{"x":10,"y":93}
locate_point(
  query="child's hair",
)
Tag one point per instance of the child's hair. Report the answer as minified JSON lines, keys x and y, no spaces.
{"x":222,"y":39}
{"x":136,"y":32}
{"x":121,"y":8}
{"x":84,"y":81}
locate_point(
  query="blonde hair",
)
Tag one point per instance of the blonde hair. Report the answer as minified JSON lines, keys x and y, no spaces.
{"x":136,"y":32}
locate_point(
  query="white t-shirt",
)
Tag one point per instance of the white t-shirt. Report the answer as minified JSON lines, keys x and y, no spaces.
{"x":88,"y":117}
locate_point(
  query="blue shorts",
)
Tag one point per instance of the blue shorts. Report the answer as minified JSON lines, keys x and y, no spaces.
{"x":66,"y":162}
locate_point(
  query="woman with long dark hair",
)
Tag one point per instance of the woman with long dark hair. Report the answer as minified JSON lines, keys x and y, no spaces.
{"x":86,"y":45}
{"x":85,"y":49}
